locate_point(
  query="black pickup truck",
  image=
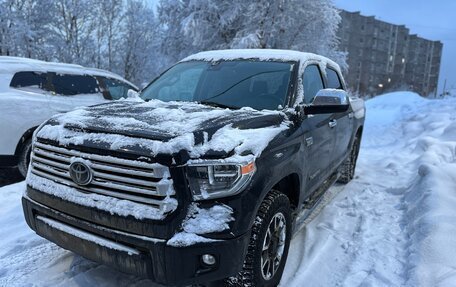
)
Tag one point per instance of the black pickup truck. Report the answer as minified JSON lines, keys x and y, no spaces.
{"x":205,"y":175}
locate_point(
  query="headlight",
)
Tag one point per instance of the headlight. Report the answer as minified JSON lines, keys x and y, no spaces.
{"x":214,"y":179}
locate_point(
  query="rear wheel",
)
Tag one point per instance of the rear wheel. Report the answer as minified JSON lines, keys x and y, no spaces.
{"x":24,"y":157}
{"x":349,"y":166}
{"x":269,"y":243}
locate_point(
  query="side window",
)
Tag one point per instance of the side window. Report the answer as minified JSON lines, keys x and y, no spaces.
{"x":312,"y":83}
{"x":117,"y":89}
{"x":333,"y":79}
{"x":29,"y":80}
{"x":70,"y":85}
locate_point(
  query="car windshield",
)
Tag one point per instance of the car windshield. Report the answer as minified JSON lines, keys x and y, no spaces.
{"x":232,"y":84}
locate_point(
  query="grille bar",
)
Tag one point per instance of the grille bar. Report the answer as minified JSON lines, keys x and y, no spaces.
{"x":112,"y":176}
{"x":70,"y":183}
{"x":154,"y":170}
{"x":65,"y":158}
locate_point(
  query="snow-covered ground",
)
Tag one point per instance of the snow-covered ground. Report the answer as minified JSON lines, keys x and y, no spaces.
{"x":393,"y":225}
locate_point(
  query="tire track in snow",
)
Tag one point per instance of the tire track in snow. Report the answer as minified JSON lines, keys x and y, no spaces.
{"x":358,"y":238}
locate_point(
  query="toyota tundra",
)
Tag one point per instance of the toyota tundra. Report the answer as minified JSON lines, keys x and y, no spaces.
{"x":205,"y":175}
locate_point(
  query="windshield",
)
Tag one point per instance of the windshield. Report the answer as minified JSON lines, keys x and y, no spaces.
{"x":232,"y":84}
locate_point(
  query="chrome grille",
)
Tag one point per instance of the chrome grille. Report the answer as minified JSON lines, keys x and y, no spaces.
{"x":126,"y":179}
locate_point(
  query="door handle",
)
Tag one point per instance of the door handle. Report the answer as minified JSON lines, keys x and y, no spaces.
{"x":332,"y":123}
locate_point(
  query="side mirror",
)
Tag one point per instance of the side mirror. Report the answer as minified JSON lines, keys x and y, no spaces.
{"x":328,"y":101}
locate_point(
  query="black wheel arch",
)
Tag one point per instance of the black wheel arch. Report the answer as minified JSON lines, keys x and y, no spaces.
{"x":27,"y":135}
{"x":288,"y":184}
{"x":358,"y":134}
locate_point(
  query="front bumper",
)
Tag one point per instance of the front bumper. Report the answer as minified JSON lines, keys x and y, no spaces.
{"x":140,"y":255}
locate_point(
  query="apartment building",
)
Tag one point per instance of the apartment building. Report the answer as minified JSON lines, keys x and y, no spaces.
{"x":384,"y":57}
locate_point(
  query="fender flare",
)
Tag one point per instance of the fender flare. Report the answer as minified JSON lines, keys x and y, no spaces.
{"x":28,"y":134}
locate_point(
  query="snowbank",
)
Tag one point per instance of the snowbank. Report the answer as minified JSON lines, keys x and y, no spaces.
{"x":423,"y":133}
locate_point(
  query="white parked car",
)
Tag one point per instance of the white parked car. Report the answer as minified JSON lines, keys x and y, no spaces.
{"x":32,"y":91}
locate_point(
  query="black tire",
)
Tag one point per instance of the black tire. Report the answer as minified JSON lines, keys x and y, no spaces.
{"x":347,"y":169}
{"x":275,"y":206}
{"x":24,"y":157}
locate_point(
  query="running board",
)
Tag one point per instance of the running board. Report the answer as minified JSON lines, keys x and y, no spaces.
{"x":310,"y":207}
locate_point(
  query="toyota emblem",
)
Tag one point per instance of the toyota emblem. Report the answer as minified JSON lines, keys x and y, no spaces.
{"x":80,"y":173}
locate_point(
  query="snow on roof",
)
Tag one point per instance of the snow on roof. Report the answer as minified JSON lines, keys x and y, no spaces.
{"x":16,"y":64}
{"x":261,"y":54}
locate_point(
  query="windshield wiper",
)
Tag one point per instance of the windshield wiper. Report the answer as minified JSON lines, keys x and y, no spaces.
{"x":243,"y":80}
{"x":218,"y":105}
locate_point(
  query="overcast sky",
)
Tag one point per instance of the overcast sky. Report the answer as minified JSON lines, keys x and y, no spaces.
{"x":430,"y":19}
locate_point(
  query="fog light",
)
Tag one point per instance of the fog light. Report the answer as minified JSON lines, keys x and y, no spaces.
{"x":208,"y":259}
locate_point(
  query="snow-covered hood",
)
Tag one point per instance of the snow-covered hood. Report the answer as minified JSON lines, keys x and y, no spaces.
{"x":167,"y":128}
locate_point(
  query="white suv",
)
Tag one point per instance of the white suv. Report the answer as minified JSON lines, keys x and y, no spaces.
{"x":31,"y":91}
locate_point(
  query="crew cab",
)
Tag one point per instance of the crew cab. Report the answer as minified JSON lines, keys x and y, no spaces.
{"x":32,"y":91}
{"x":204,"y":176}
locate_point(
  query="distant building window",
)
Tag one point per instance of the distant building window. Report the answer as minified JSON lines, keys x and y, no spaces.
{"x":70,"y":85}
{"x":30,"y":80}
{"x":362,"y":27}
{"x":361,"y":40}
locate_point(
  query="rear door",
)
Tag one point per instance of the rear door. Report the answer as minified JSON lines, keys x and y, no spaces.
{"x":319,"y":132}
{"x":343,"y":120}
{"x":73,"y":90}
{"x":23,"y":105}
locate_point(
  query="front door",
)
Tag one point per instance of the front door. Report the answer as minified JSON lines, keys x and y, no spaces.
{"x":319,"y":132}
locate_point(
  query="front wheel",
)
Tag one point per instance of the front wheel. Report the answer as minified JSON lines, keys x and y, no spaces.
{"x":268,"y":248}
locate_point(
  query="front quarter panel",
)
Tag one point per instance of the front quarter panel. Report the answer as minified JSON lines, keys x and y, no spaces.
{"x":284,"y":156}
